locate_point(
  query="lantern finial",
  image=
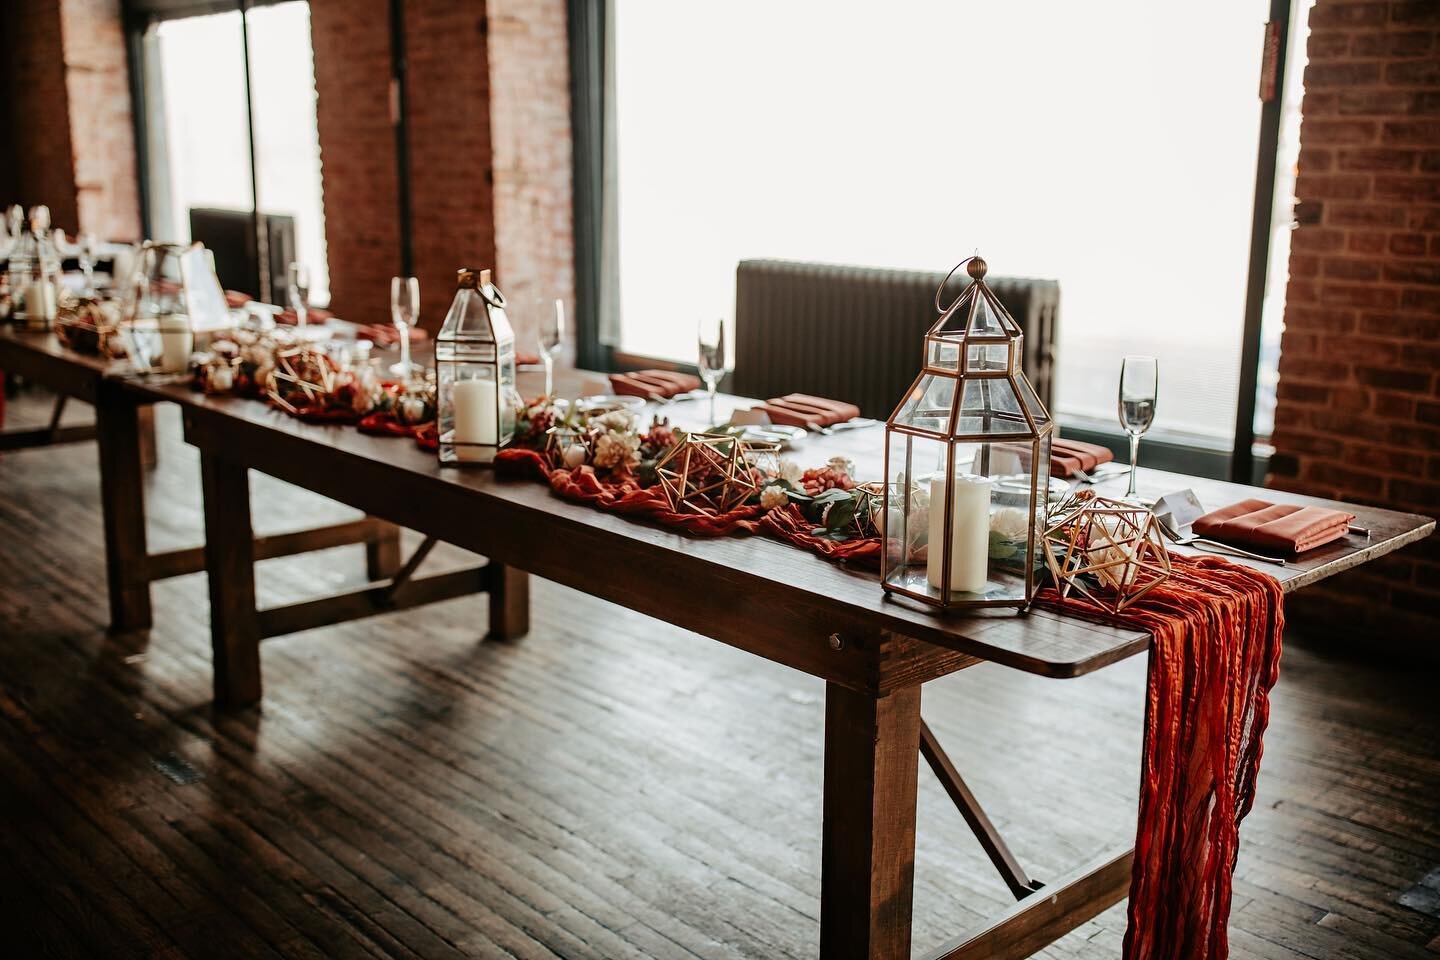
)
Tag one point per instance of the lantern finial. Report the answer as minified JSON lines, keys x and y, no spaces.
{"x":976,"y":268}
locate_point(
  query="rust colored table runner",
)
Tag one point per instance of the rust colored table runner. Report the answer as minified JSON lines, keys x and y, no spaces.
{"x":1215,"y":656}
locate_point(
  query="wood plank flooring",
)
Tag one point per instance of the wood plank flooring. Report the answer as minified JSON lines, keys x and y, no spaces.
{"x":608,"y":787}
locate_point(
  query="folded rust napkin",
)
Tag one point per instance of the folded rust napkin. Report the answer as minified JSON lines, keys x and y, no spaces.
{"x":385,"y":334}
{"x":1273,"y":526}
{"x":803,"y":410}
{"x":653,"y":383}
{"x":1068,"y":456}
{"x":313,"y":315}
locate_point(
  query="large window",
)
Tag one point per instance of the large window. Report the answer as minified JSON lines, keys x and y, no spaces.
{"x":198,"y":129}
{"x":1109,"y":147}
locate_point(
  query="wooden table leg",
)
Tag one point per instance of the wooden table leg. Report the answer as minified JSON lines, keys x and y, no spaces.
{"x":509,"y":602}
{"x":149,"y":452}
{"x":122,"y":506}
{"x":230,"y":567}
{"x":867,"y":867}
{"x":382,"y":555}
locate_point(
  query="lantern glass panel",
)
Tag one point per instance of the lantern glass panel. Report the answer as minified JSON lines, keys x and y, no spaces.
{"x":984,"y":321}
{"x":990,"y":408}
{"x":929,"y":404}
{"x":942,"y":354}
{"x":987,"y":358}
{"x":1031,"y":401}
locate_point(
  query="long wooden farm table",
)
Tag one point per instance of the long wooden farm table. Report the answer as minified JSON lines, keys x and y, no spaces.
{"x":762,"y":596}
{"x":124,"y":432}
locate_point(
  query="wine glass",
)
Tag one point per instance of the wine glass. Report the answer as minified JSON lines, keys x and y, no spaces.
{"x":298,"y":292}
{"x":85,"y":245}
{"x":1139,"y":382}
{"x":404,"y":312}
{"x":550,"y":338}
{"x":712,"y":357}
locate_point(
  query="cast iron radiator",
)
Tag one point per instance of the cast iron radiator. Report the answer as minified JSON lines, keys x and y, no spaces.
{"x":855,"y":333}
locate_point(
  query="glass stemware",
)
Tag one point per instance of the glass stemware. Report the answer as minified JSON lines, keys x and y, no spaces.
{"x":85,"y":247}
{"x":404,"y":312}
{"x":712,"y":357}
{"x":550,"y":338}
{"x":298,"y":293}
{"x":1139,"y":384}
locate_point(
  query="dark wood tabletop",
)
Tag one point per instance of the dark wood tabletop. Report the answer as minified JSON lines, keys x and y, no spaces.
{"x":366,"y":469}
{"x":42,"y":357}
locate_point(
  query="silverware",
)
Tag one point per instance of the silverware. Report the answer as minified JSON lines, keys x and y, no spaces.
{"x":858,"y":423}
{"x":1190,"y":540}
{"x":1100,"y":474}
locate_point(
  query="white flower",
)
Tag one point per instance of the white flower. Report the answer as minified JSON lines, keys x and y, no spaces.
{"x":574,"y":455}
{"x":842,"y":465}
{"x":621,"y":421}
{"x":614,"y":450}
{"x":1010,"y":523}
{"x":790,"y":471}
{"x":773,"y":496}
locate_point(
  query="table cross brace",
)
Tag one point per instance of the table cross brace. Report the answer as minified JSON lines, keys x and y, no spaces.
{"x":996,"y":849}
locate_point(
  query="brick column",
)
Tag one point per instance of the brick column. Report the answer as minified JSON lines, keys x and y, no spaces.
{"x":69,"y":132}
{"x":530,"y":129}
{"x":351,"y":40}
{"x":1358,"y":411}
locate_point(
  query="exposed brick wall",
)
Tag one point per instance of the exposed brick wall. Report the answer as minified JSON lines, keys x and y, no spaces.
{"x":97,"y":81}
{"x":68,"y":120}
{"x":39,"y":136}
{"x":1358,"y":413}
{"x":530,"y":127}
{"x":451,"y":174}
{"x":351,"y":39}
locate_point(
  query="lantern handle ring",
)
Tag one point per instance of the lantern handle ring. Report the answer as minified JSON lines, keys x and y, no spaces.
{"x":495,"y":298}
{"x":940,"y":289}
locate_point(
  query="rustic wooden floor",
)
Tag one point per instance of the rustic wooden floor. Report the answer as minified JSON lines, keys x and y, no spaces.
{"x":610,"y":787}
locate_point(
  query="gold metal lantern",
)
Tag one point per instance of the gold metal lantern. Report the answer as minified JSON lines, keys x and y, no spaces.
{"x":967,"y":463}
{"x":476,"y":401}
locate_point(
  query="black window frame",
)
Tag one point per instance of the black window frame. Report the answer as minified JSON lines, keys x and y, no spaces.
{"x":1243,"y":462}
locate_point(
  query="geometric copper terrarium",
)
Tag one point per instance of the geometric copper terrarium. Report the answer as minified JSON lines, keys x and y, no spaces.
{"x":1108,"y":551}
{"x":967,"y":462}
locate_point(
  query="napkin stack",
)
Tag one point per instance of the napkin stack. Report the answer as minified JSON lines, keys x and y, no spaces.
{"x":803,"y":410}
{"x":1273,"y":526}
{"x":1068,"y":456}
{"x":653,"y":383}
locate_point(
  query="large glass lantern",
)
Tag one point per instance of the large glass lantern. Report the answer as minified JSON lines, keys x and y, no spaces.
{"x":967,"y":463}
{"x":155,"y":323}
{"x":475,"y":373}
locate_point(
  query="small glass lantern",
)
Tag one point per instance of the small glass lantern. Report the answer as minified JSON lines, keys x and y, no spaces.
{"x":967,"y":463}
{"x":475,"y":373}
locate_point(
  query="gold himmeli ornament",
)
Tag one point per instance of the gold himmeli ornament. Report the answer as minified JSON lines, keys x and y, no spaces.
{"x":708,"y":473}
{"x":302,"y":374}
{"x":1117,"y":544}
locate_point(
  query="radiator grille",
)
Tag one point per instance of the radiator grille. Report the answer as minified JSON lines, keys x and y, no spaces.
{"x":854,"y":333}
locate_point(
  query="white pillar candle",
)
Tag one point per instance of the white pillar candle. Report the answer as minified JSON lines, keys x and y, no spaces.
{"x":474,"y":408}
{"x":40,"y":305}
{"x":969,"y":533}
{"x":177,"y":340}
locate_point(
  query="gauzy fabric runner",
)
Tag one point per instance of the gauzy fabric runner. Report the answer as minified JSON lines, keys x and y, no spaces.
{"x":627,"y":496}
{"x":1215,"y":656}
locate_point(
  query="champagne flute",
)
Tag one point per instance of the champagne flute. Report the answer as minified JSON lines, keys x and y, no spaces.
{"x":298,"y":292}
{"x":712,"y":357}
{"x":85,"y":244}
{"x":404,"y":312}
{"x":1139,"y":383}
{"x":550,"y":338}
